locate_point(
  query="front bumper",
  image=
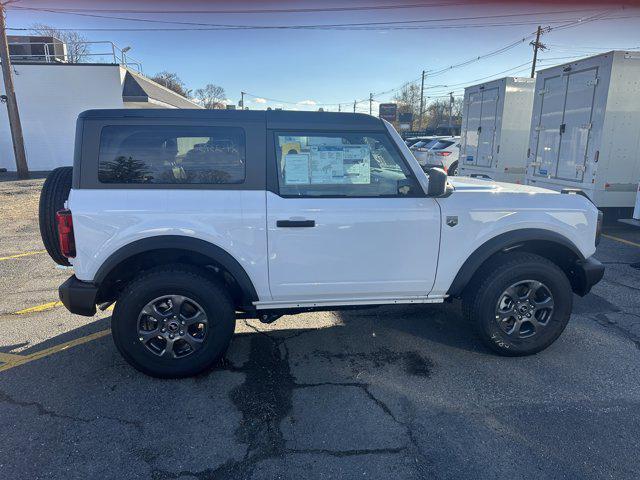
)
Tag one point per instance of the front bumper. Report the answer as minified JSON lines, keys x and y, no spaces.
{"x":79,"y":297}
{"x":586,"y":273}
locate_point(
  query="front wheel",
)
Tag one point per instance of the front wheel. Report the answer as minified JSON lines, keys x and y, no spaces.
{"x":173,"y":322}
{"x":520,"y":304}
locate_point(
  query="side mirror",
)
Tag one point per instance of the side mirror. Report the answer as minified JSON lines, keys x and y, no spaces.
{"x":437,"y":182}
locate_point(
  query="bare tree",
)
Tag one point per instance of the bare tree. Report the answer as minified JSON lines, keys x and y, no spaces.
{"x":211,"y":96}
{"x":408,"y":100}
{"x":78,"y":50}
{"x":172,"y":81}
{"x":438,"y":113}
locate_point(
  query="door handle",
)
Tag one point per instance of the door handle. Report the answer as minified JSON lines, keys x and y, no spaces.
{"x":295,"y":223}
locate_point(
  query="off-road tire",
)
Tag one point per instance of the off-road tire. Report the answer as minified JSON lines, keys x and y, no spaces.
{"x":487,"y":287}
{"x":55,"y":192}
{"x":180,"y":280}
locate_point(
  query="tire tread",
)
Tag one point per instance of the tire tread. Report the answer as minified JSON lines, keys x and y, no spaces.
{"x":55,"y":192}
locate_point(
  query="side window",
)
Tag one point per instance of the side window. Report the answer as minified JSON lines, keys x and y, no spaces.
{"x":343,"y":165}
{"x":163,"y":154}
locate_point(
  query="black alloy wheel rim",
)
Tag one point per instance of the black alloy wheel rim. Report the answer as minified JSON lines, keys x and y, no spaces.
{"x":524,"y":309}
{"x":172,"y":326}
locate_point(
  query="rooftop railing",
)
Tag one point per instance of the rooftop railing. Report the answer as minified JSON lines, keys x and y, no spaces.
{"x":107,"y":52}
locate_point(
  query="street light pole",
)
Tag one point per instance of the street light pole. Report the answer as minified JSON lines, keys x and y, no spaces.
{"x":370,"y":103}
{"x":12,"y":104}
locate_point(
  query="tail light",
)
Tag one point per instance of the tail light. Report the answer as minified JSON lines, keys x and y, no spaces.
{"x":65,"y":233}
{"x":443,"y":154}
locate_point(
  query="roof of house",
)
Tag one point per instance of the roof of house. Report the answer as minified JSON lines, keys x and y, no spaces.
{"x":137,"y":88}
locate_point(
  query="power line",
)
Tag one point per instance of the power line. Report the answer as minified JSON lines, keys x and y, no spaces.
{"x":263,"y":10}
{"x":432,"y":73}
{"x":359,"y":25}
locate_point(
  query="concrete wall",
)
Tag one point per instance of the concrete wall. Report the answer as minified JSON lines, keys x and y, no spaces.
{"x":50,"y":97}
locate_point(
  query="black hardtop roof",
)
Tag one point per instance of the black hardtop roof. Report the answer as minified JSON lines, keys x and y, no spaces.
{"x":285,"y":119}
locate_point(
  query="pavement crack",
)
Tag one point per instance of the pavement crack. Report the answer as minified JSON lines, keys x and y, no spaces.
{"x":620,"y":284}
{"x":40,"y":409}
{"x":603,"y":319}
{"x":363,"y":386}
{"x":348,"y":453}
{"x":43,"y":411}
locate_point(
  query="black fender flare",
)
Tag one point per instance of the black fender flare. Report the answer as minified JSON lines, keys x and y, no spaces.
{"x":505,"y":242}
{"x":180,"y":242}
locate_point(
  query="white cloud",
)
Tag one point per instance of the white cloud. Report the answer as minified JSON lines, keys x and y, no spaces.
{"x":307,"y":102}
{"x":259,"y":100}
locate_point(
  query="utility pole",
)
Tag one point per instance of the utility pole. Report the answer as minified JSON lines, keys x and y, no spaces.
{"x":12,"y":104}
{"x":370,"y":103}
{"x":451,"y":113}
{"x":421,"y":102}
{"x":354,"y":106}
{"x":241,"y":100}
{"x":536,"y":45}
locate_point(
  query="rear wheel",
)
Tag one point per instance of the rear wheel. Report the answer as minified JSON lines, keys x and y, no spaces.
{"x":173,"y":322}
{"x":453,"y":169}
{"x":520,"y":304}
{"x":55,"y":192}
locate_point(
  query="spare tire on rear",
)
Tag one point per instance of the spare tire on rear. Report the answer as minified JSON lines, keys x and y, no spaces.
{"x":55,"y":192}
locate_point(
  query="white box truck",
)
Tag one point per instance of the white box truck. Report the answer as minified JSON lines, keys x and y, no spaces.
{"x":585,"y":129}
{"x":635,"y":221}
{"x":496,"y":119}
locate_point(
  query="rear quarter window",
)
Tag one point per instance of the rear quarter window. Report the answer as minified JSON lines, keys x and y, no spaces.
{"x":440,"y":144}
{"x":164,"y":154}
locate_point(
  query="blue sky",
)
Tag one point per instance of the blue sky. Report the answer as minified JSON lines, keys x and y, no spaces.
{"x":312,"y":67}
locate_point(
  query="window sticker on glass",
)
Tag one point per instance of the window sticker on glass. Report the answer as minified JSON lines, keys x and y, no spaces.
{"x":324,"y":141}
{"x":357,"y":164}
{"x":327,"y":165}
{"x":290,"y":147}
{"x":296,"y":169}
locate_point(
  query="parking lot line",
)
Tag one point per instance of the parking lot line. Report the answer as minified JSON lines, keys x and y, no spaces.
{"x":39,"y":308}
{"x":20,"y":255}
{"x":621,"y":240}
{"x":10,"y":357}
{"x":16,"y":360}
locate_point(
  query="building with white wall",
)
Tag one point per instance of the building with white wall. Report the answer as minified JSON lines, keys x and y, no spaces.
{"x":51,"y":95}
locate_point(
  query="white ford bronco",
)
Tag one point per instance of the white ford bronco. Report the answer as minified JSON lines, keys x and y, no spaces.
{"x":190,"y":219}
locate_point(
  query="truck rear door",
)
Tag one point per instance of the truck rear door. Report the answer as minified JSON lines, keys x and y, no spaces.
{"x":564,"y":126}
{"x":576,"y":124}
{"x":548,"y":129}
{"x":472,"y":127}
{"x":487,"y":128}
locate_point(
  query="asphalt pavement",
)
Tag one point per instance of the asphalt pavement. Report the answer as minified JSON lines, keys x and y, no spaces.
{"x":389,"y":392}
